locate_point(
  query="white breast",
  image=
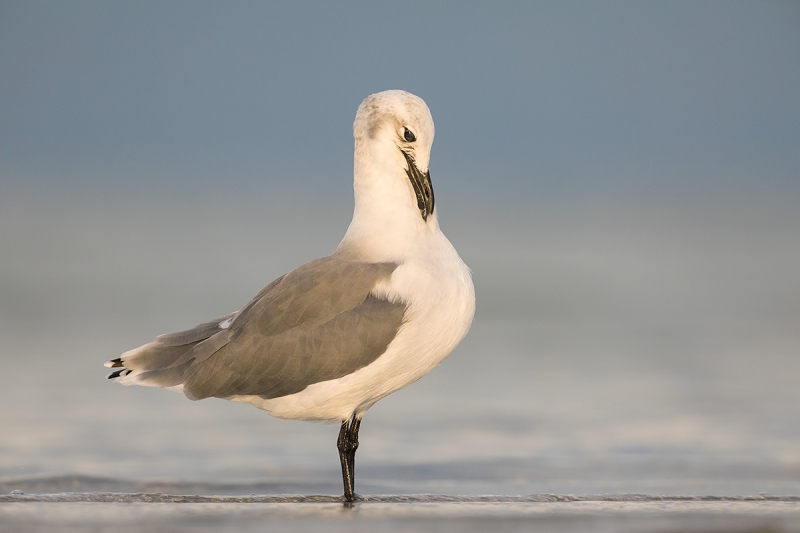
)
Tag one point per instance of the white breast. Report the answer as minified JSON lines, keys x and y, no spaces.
{"x":438,"y":289}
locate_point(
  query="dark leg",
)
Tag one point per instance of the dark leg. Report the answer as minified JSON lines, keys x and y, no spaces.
{"x":348,"y":444}
{"x":347,"y":478}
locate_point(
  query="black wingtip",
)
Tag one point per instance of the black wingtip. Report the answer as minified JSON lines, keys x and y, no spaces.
{"x":115,"y":363}
{"x":119,"y":373}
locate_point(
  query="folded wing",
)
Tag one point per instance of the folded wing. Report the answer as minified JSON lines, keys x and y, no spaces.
{"x":316,"y":323}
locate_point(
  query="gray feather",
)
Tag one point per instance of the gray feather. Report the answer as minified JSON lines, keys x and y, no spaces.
{"x":196,"y":334}
{"x":270,"y":366}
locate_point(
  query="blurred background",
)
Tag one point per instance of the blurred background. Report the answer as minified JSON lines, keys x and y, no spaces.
{"x":623,"y":178}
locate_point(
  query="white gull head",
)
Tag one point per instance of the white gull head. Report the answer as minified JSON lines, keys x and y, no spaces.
{"x":394,"y":200}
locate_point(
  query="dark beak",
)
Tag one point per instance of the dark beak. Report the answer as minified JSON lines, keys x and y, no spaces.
{"x":422,"y":187}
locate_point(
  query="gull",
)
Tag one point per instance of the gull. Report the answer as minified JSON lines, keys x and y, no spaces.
{"x":327,"y":340}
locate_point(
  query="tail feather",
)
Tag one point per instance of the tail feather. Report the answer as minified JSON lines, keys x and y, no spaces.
{"x":163,"y":362}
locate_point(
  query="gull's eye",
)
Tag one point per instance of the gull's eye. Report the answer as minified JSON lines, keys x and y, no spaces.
{"x":409,"y":136}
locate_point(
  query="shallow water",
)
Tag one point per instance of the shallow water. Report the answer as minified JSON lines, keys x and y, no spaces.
{"x":581,"y":516}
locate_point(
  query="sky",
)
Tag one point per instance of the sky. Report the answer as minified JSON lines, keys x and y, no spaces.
{"x":623,"y":179}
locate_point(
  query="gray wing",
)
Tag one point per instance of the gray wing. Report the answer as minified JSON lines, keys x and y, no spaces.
{"x":316,"y":323}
